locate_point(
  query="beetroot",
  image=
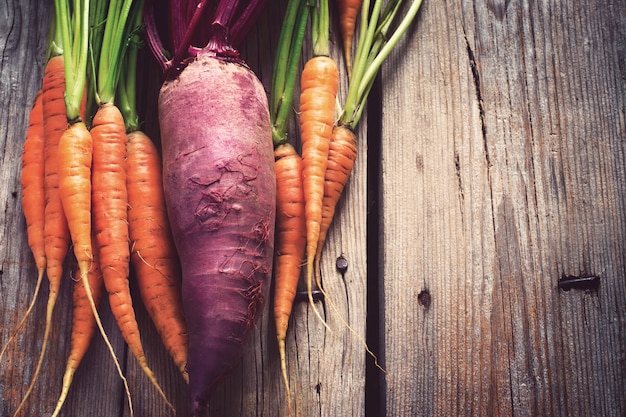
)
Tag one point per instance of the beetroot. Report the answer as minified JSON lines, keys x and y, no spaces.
{"x":218,"y":178}
{"x":220,"y":192}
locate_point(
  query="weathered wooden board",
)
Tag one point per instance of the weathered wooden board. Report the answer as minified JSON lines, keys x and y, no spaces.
{"x":503,"y":169}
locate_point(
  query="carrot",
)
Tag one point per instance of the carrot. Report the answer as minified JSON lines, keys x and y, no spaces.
{"x":153,"y":253}
{"x":290,"y":236}
{"x":374,"y":46}
{"x":56,"y":231}
{"x":341,"y":158}
{"x":348,"y":11}
{"x":109,"y":193}
{"x":75,"y":184}
{"x":33,"y":200}
{"x":290,"y":242}
{"x":319,"y":84}
{"x":110,"y":217}
{"x":109,"y":199}
{"x":74,"y":158}
{"x":83,"y":323}
{"x":33,"y":194}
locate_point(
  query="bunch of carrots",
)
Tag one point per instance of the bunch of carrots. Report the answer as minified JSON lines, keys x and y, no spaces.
{"x":91,"y":182}
{"x":310,"y":186}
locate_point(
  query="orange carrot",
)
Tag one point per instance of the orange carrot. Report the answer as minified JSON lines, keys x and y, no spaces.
{"x":33,"y":194}
{"x":290,"y":243}
{"x":153,"y":253}
{"x":83,"y":323}
{"x":56,"y":231}
{"x":57,"y":235}
{"x":341,"y":158}
{"x":33,"y":200}
{"x":319,"y":85}
{"x":74,"y":158}
{"x":109,"y":199}
{"x":348,"y":11}
{"x":290,"y":229}
{"x":109,"y":210}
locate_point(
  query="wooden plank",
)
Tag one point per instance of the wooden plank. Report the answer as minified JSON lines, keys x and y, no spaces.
{"x":319,"y":361}
{"x":503,"y":170}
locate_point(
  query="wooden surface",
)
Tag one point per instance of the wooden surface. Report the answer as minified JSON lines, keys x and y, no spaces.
{"x":506,"y":123}
{"x":493,"y":164}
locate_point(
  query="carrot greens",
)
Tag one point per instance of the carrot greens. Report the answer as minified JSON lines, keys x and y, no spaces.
{"x":73,"y":26}
{"x":127,"y":84}
{"x":285,"y":70}
{"x":374,"y":46}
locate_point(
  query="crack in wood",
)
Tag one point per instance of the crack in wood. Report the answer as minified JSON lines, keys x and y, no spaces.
{"x":481,"y":107}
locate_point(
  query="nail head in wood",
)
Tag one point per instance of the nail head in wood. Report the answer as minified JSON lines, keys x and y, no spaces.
{"x":341,"y":264}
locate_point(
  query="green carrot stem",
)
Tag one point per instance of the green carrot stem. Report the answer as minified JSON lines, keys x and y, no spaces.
{"x":286,"y":67}
{"x":358,"y":112}
{"x":372,"y":69}
{"x":112,"y":50}
{"x":97,"y":19}
{"x":74,"y":34}
{"x":358,"y":66}
{"x":381,"y":36}
{"x":55,"y":43}
{"x":360,"y":49}
{"x":127,"y":87}
{"x":320,"y":29}
{"x":283,"y":49}
{"x":373,"y":48}
{"x":356,"y":104}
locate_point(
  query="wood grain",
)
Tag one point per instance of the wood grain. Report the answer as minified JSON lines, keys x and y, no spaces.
{"x":509,"y":132}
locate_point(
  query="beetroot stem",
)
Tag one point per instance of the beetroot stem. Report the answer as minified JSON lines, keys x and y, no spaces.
{"x":230,"y":23}
{"x":178,"y":20}
{"x":245,"y":21}
{"x":219,"y":43}
{"x":176,"y":63}
{"x":228,"y":34}
{"x":225,"y":11}
{"x":152,"y":35}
